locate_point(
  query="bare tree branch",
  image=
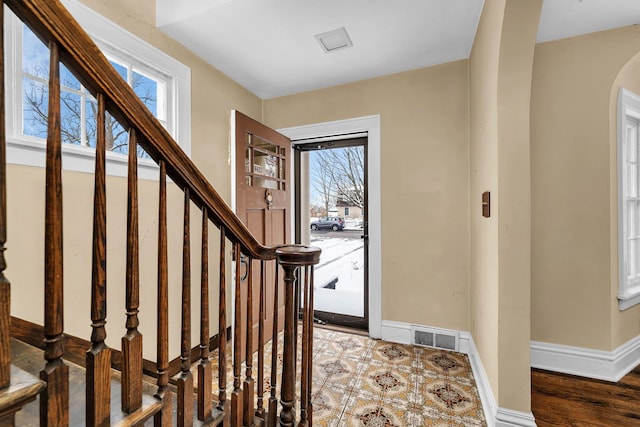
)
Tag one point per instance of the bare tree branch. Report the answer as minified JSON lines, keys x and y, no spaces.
{"x":36,"y":104}
{"x":337,"y":176}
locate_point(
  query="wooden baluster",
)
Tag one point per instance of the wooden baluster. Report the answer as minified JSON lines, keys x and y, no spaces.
{"x":5,"y":286}
{"x":304,"y":375}
{"x":309,"y":358}
{"x":54,"y":400}
{"x":205,"y":404}
{"x":163,"y":418}
{"x":98,"y":357}
{"x":291,"y":257}
{"x":249,"y":383}
{"x":185,"y":379}
{"x":272,"y":415}
{"x":260,"y":409}
{"x":287,"y":392}
{"x":132,"y":340}
{"x":236,"y":394}
{"x":223,"y":405}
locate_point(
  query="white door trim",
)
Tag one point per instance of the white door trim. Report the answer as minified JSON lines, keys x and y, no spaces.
{"x":232,"y":156}
{"x":370,"y":125}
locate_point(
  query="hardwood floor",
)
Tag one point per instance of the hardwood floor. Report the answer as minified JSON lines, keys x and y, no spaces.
{"x":566,"y":400}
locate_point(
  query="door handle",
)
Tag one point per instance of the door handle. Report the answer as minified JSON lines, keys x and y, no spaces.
{"x":243,"y":263}
{"x":364,"y":236}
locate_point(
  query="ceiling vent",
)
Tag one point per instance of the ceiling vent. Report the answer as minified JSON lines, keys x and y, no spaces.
{"x":334,"y":40}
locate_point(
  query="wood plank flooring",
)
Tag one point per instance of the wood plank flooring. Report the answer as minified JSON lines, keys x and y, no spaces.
{"x":565,"y":400}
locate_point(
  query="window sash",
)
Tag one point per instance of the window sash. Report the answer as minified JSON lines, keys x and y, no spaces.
{"x":76,"y":108}
{"x":174,"y":109}
{"x":628,"y":199}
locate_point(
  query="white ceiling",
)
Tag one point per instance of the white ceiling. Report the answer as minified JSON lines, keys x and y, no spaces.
{"x":268,"y":46}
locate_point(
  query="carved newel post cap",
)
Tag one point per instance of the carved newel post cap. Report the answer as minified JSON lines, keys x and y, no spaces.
{"x":298,"y":255}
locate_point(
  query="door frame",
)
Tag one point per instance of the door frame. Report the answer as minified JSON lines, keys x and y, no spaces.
{"x":302,"y":187}
{"x":336,"y":130}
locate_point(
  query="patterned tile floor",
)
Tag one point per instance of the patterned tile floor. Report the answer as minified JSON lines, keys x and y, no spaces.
{"x":358,"y":381}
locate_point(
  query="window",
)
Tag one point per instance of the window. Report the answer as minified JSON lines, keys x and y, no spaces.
{"x":346,"y":211}
{"x":162,"y":83}
{"x":628,"y":198}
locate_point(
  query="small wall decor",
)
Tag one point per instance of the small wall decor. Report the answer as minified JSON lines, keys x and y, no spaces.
{"x":486,"y":204}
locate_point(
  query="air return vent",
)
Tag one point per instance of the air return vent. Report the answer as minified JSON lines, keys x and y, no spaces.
{"x":435,"y":338}
{"x":334,"y":40}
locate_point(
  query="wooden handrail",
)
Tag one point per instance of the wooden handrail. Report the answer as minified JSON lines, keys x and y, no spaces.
{"x":51,"y":21}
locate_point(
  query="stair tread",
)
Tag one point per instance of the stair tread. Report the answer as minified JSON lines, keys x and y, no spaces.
{"x":31,"y":360}
{"x":23,"y":389}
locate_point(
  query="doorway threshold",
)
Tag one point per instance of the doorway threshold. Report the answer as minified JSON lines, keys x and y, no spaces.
{"x":340,"y":328}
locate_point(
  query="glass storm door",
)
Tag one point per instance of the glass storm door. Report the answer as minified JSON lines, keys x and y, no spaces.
{"x":331,"y":204}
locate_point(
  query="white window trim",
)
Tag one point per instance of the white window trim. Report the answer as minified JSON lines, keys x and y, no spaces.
{"x":628,"y":291}
{"x":29,"y":151}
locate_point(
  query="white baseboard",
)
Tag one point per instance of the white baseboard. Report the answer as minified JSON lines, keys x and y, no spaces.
{"x":586,"y":362}
{"x":510,"y":418}
{"x":400,"y":332}
{"x":482,"y":381}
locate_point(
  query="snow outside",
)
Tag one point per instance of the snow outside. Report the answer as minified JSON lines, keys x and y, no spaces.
{"x":336,"y":211}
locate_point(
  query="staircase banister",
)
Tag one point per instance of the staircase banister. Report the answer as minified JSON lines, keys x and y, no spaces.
{"x":298,"y":255}
{"x":50,"y":20}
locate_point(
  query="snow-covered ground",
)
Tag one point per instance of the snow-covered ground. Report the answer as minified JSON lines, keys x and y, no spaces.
{"x":341,"y":264}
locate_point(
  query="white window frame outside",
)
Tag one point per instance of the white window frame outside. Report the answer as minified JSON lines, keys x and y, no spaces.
{"x":115,"y":42}
{"x":628,"y":113}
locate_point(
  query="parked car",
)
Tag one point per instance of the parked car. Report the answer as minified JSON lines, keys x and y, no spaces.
{"x":335,"y":224}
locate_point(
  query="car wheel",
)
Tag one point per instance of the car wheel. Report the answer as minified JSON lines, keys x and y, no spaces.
{"x":314,"y":227}
{"x":335,"y":227}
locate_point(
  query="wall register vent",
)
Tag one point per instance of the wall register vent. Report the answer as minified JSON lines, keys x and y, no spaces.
{"x":435,"y":338}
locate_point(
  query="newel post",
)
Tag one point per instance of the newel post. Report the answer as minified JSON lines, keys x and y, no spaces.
{"x":290,"y":258}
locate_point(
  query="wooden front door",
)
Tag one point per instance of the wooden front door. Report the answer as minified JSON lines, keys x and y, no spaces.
{"x":263,"y":203}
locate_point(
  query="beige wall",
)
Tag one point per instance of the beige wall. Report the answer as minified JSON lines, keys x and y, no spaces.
{"x":25,"y":255}
{"x":483,"y":77}
{"x":425,"y":179}
{"x":500,"y":75}
{"x":520,"y":27}
{"x":625,"y":324}
{"x":449,"y":132}
{"x":574,"y":226}
{"x":213,"y":96}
